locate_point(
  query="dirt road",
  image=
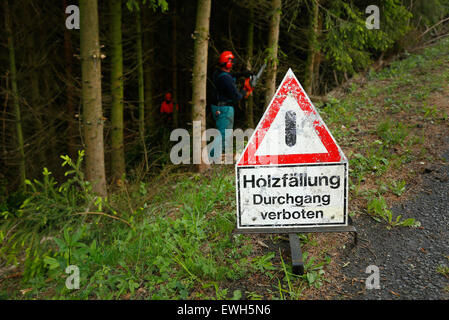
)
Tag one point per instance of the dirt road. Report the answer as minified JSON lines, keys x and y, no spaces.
{"x":408,"y":258}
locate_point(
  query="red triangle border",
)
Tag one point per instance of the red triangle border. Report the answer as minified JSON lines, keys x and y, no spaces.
{"x":290,"y":85}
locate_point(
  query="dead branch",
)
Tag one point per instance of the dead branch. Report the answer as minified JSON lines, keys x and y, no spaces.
{"x":103,"y":214}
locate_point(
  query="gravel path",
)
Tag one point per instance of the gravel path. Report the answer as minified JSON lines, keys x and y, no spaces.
{"x":407,"y":258}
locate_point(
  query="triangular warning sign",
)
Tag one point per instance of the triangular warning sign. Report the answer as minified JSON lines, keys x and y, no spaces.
{"x":291,"y":131}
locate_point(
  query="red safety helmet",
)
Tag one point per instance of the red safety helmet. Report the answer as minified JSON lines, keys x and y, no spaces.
{"x":226,"y":59}
{"x":168,"y":96}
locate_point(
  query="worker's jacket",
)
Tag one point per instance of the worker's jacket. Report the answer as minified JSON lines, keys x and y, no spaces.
{"x":226,"y":92}
{"x":167,"y":107}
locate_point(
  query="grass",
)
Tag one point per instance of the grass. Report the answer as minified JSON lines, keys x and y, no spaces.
{"x":177,"y":247}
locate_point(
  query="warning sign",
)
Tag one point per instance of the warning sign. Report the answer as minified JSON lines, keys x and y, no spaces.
{"x":292,"y":173}
{"x":292,"y":195}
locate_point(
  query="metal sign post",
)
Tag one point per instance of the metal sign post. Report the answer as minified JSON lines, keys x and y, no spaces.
{"x":292,"y":176}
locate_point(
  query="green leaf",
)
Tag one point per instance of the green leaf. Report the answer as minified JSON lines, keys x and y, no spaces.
{"x":237,"y":295}
{"x":52,"y":263}
{"x":61,"y":244}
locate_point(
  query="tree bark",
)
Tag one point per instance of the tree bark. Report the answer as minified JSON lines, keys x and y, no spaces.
{"x":273,"y":43}
{"x":318,"y":57}
{"x":117,"y":146}
{"x":313,"y":50}
{"x":148,"y":47}
{"x":174,"y":65}
{"x":249,"y":57}
{"x":70,"y":92}
{"x":91,"y":95}
{"x":15,"y":94}
{"x":201,"y":46}
{"x":141,"y":87}
{"x":36,"y":97}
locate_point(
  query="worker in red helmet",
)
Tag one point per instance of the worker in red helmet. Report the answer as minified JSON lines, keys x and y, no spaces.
{"x":226,"y":96}
{"x":167,"y":107}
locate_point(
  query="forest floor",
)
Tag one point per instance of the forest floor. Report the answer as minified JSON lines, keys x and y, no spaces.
{"x":172,"y":237}
{"x":413,"y":262}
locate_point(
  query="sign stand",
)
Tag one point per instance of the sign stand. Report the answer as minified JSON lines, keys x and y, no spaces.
{"x":292,"y":176}
{"x":295,"y":249}
{"x":295,"y":246}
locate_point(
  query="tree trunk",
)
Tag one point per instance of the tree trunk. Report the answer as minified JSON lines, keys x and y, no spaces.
{"x":249,"y":57}
{"x":148,"y":47}
{"x":91,"y":95}
{"x":201,"y":36}
{"x":117,"y":146}
{"x":70,"y":92}
{"x":15,"y":94}
{"x":141,"y":87}
{"x":273,"y":42}
{"x":313,"y":49}
{"x":35,"y":98}
{"x":174,"y":65}
{"x":318,"y":58}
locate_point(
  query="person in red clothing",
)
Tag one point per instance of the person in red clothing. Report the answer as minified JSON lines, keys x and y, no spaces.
{"x":167,"y":107}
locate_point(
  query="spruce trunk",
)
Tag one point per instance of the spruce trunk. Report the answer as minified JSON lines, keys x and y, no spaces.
{"x":273,"y":43}
{"x":313,"y":51}
{"x":174,"y":66}
{"x":70,"y":92}
{"x":117,"y":146}
{"x":148,"y":47}
{"x":141,"y":87}
{"x":15,"y":94}
{"x":91,"y":96}
{"x":201,"y":36}
{"x":249,"y":66}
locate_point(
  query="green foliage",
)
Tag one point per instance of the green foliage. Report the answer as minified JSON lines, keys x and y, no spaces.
{"x":263,"y":263}
{"x":46,"y":210}
{"x":397,"y":187}
{"x":293,"y":291}
{"x":313,"y":270}
{"x":444,"y":269}
{"x":392,"y":134}
{"x":361,"y":165}
{"x":349,"y":44}
{"x":378,"y":210}
{"x":253,"y":295}
{"x":429,"y":12}
{"x":153,"y":4}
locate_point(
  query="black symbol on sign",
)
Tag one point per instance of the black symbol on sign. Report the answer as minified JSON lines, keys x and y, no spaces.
{"x":290,"y":128}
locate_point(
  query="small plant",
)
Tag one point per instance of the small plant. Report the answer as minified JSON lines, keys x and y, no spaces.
{"x":263,"y":263}
{"x":397,"y":187}
{"x":294,"y":293}
{"x":361,"y":165}
{"x":430,"y":111}
{"x":253,"y":295}
{"x":392,"y":134}
{"x":46,"y":209}
{"x":443,"y":270}
{"x":313,"y":271}
{"x":378,"y":210}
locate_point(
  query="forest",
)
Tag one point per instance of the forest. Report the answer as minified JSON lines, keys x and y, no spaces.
{"x":84,"y":144}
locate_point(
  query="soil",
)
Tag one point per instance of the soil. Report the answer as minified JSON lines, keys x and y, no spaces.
{"x":408,"y":258}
